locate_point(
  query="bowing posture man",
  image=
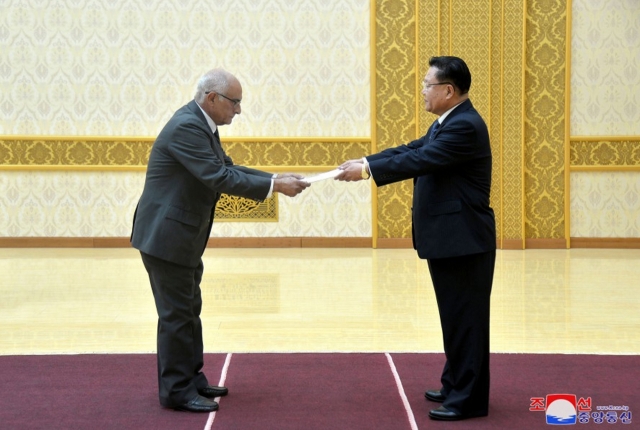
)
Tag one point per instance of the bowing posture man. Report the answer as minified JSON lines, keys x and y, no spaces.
{"x":187,"y":172}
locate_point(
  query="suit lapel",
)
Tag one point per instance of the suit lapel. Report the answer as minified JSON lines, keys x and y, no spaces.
{"x":214,"y":138}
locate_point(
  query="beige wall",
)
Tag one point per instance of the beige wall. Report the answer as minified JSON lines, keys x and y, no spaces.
{"x":103,"y":68}
{"x":605,"y":101}
{"x":121,"y":68}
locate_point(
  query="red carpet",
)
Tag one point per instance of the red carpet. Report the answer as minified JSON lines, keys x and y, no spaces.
{"x":516,"y":378}
{"x":301,"y":391}
{"x":310,"y":391}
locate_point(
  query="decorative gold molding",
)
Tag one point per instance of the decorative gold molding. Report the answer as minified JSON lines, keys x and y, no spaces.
{"x":605,"y":153}
{"x":567,"y":126}
{"x":238,"y":209}
{"x":214,"y":242}
{"x":132,"y":153}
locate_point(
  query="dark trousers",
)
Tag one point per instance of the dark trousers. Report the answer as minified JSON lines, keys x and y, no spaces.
{"x":176,"y":290}
{"x":463,"y":292}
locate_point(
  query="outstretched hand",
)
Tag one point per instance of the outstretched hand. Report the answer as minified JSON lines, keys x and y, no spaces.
{"x":351,"y":171}
{"x":290,"y":185}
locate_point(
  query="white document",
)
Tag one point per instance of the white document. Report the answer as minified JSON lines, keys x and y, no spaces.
{"x":322,"y":176}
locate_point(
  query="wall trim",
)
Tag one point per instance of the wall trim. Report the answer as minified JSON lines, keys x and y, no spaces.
{"x":604,"y":138}
{"x":606,"y":242}
{"x":616,"y":168}
{"x":394,"y":243}
{"x":517,"y":244}
{"x":214,"y":242}
{"x":545,"y":243}
{"x":314,"y":242}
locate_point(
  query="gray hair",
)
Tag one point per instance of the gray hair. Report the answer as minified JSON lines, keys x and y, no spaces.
{"x":216,"y":80}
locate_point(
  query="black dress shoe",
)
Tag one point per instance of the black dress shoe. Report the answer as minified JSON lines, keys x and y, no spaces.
{"x":211,"y":391}
{"x":444,"y":414}
{"x":199,"y":404}
{"x":434,"y":396}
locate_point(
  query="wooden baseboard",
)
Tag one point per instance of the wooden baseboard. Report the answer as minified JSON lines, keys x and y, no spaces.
{"x":517,"y":244}
{"x":289,"y":242}
{"x":606,"y":242}
{"x":395,"y":243}
{"x":336,"y":242}
{"x":545,"y":244}
{"x":64,"y":242}
{"x":215,"y":242}
{"x":313,"y":242}
{"x":254,"y":242}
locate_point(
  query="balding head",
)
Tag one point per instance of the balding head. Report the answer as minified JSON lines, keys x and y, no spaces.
{"x":215,"y":80}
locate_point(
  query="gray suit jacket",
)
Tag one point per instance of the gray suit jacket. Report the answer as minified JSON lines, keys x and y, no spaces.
{"x":186,"y":173}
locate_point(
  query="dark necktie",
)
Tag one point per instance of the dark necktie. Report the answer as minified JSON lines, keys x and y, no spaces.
{"x":434,"y":129}
{"x":217,"y":145}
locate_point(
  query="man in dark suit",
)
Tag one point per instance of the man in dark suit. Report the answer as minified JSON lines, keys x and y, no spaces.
{"x":186,"y":173}
{"x":453,"y":228}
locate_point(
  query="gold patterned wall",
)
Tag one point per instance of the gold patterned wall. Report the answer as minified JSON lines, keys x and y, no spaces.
{"x":545,"y":78}
{"x":605,"y":83}
{"x":516,"y":49}
{"x":489,"y":36}
{"x":38,"y":152}
{"x":593,"y":152}
{"x":131,"y":154}
{"x":396,"y":93}
{"x":108,"y":68}
{"x":605,"y":131}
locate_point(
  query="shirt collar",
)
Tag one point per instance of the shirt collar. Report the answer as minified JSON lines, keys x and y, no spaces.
{"x":444,"y":115}
{"x":212,"y":124}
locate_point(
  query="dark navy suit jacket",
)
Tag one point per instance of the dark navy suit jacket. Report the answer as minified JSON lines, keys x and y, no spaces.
{"x":451,"y":214}
{"x":186,"y":173}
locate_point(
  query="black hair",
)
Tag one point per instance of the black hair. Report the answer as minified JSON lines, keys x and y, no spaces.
{"x":452,"y":69}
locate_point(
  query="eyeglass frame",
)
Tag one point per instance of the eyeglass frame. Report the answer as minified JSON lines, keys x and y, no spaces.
{"x":236,"y":102}
{"x":426,"y":86}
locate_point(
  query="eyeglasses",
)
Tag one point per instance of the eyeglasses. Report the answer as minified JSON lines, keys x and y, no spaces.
{"x":426,"y":86}
{"x":235,"y":102}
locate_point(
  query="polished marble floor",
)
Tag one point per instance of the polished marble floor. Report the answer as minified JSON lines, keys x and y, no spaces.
{"x":57,"y":301}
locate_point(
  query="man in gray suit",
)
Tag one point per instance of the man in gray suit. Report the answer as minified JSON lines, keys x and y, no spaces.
{"x":186,"y":173}
{"x":453,"y":228}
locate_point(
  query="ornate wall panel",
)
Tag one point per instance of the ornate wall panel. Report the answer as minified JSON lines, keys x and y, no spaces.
{"x":605,"y":83}
{"x":101,"y":204}
{"x":545,"y":119}
{"x":605,"y":204}
{"x":296,"y":153}
{"x":509,"y":101}
{"x":494,"y":119}
{"x":74,"y":151}
{"x":596,"y":152}
{"x":605,"y":108}
{"x":475,"y":18}
{"x":489,"y":37}
{"x":471,"y":41}
{"x":121,"y":68}
{"x":427,"y":47}
{"x":396,"y":95}
{"x":132,"y":153}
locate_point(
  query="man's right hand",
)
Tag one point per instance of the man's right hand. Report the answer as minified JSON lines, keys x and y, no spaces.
{"x":289,"y":186}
